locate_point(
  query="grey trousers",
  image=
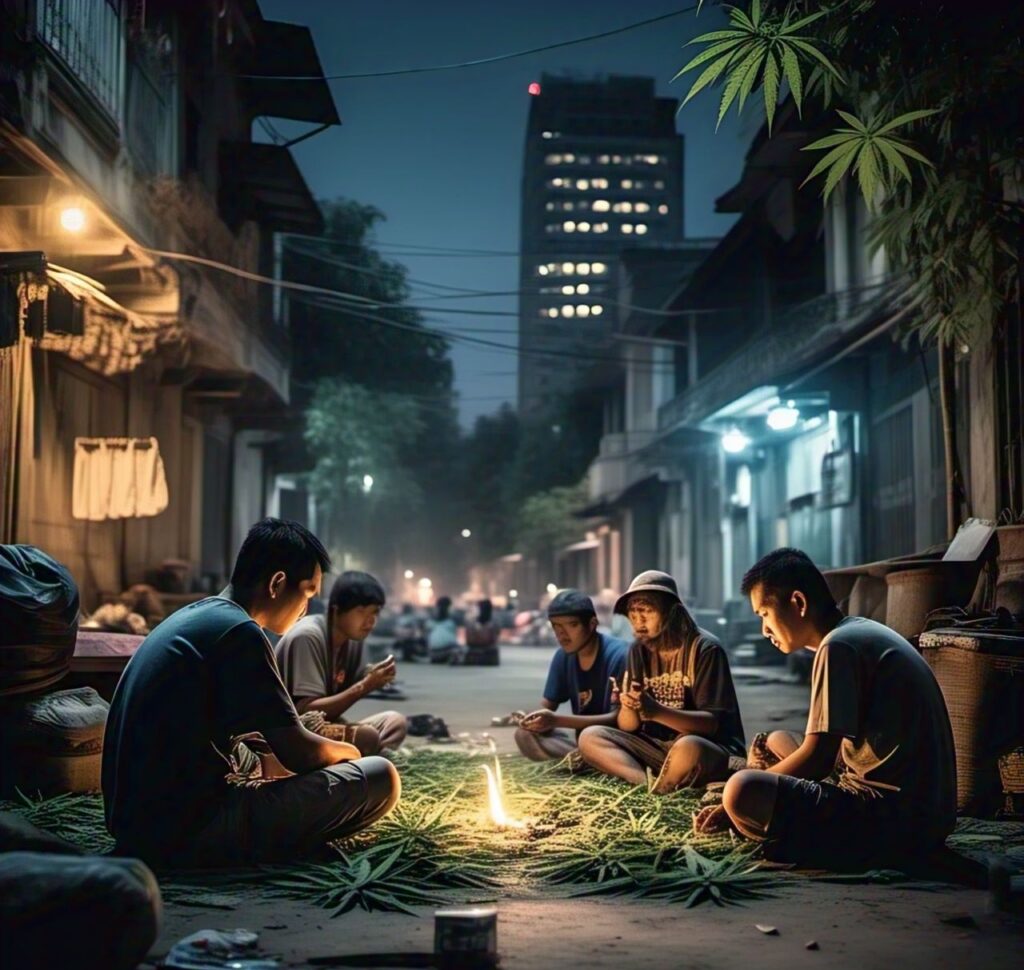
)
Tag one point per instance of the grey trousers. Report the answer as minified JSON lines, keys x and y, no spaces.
{"x":279,"y":820}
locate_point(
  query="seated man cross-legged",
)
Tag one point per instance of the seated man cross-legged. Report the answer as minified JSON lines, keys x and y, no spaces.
{"x":876,"y":713}
{"x":321,"y":662}
{"x":581,"y":673}
{"x":204,"y":677}
{"x":679,"y":715}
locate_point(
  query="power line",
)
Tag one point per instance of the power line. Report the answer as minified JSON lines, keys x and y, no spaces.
{"x":478,"y":62}
{"x":466,"y":294}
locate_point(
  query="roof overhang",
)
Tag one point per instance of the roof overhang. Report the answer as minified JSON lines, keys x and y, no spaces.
{"x":287,"y":51}
{"x":263,"y":183}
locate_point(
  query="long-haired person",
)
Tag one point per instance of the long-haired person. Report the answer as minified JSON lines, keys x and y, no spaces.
{"x":679,"y":717}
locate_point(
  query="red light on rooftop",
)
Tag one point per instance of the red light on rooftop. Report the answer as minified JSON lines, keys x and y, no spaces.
{"x":534,"y":88}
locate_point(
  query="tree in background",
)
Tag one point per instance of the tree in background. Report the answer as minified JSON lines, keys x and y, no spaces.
{"x":929,"y":95}
{"x":376,"y":387}
{"x":547,"y":523}
{"x":362,"y":478}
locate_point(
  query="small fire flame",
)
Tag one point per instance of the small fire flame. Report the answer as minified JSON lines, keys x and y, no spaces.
{"x":498,"y":814}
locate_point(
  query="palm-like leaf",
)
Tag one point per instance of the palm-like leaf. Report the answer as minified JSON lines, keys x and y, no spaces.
{"x":877,"y":156}
{"x":759,"y":49}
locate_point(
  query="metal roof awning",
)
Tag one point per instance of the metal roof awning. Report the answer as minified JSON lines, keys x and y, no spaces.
{"x":288,"y":51}
{"x":263,"y":183}
{"x":583,"y":546}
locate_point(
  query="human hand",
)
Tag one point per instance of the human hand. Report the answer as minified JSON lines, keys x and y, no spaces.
{"x":710,"y":820}
{"x":539,"y":722}
{"x":380,"y":674}
{"x":648,"y":706}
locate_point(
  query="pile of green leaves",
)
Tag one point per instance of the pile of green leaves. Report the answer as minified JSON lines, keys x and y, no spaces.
{"x":583,"y":835}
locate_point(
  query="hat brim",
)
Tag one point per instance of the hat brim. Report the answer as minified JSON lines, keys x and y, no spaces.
{"x":623,"y":600}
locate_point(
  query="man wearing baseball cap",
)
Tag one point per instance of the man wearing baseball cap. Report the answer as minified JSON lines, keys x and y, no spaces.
{"x":581,"y":673}
{"x":679,"y":716}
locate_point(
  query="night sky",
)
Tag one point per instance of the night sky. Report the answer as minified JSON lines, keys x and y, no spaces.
{"x":441,"y":153}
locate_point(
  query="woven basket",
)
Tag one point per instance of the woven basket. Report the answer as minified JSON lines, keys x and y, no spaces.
{"x":981,"y":675}
{"x":1011,"y":771}
{"x":914,"y":593}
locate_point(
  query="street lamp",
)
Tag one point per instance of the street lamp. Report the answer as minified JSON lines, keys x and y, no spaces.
{"x":409,"y":574}
{"x":425,"y":583}
{"x":734,"y":441}
{"x":551,"y":588}
{"x":513,"y":594}
{"x":783,"y":417}
{"x":367,"y":483}
{"x":466,"y":533}
{"x":72,"y":219}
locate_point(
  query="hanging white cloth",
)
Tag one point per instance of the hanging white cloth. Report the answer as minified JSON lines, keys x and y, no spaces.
{"x":118,"y":478}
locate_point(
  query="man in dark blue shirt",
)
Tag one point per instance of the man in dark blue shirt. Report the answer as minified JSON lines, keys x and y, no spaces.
{"x":201,"y":679}
{"x":581,"y":673}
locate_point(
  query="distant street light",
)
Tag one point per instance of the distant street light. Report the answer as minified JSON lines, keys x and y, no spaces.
{"x":734,"y":441}
{"x":409,"y":574}
{"x":552,"y":588}
{"x":513,"y":594}
{"x":72,"y":219}
{"x":367,"y":483}
{"x":466,"y":533}
{"x":425,"y":583}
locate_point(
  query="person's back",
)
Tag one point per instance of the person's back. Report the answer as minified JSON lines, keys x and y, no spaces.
{"x":201,"y":676}
{"x":905,"y":746}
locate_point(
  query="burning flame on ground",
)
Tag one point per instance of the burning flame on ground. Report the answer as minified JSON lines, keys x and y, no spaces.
{"x":498,"y":813}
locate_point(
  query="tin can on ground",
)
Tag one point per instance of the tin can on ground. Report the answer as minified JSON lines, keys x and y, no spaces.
{"x":466,"y":936}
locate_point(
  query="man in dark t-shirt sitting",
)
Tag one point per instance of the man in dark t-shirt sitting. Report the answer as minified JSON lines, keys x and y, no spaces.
{"x":206,"y":676}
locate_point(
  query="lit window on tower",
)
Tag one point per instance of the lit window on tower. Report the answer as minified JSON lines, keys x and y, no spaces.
{"x":598,"y":268}
{"x":552,"y":159}
{"x":642,"y":207}
{"x":567,"y":311}
{"x":569,"y":226}
{"x":626,"y":227}
{"x":599,"y":183}
{"x":641,"y":228}
{"x":583,"y":268}
{"x":582,"y":184}
{"x":601,"y":205}
{"x":596,"y":310}
{"x":583,"y":226}
{"x":583,"y":310}
{"x":663,"y":209}
{"x":627,"y":183}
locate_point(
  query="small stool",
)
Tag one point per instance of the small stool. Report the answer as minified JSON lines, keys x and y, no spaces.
{"x":53,"y":744}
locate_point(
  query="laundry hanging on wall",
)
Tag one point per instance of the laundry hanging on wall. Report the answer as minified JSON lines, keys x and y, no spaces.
{"x":118,"y":478}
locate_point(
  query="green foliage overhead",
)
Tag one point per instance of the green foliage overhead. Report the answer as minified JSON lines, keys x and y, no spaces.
{"x":878,"y":157}
{"x":946,"y":204}
{"x":758,"y":50}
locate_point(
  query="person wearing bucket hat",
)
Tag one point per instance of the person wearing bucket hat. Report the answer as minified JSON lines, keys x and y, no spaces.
{"x":679,"y":715}
{"x":875,"y":710}
{"x":581,"y":672}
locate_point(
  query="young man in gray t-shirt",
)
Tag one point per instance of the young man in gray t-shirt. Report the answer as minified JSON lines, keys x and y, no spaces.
{"x":876,"y":716}
{"x":321,"y":663}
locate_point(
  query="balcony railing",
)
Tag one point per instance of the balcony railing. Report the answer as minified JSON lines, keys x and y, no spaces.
{"x":88,"y":36}
{"x":795,"y":334}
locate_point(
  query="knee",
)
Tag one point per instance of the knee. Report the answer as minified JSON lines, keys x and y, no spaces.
{"x":367,"y":740}
{"x":383,"y":783}
{"x":524,"y":741}
{"x":687,"y":753}
{"x":749,"y":797}
{"x":397,"y":727}
{"x":781,"y":743}
{"x":593,"y":739}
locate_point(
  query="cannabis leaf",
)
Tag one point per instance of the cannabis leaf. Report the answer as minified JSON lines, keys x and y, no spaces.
{"x":878,"y":158}
{"x":699,"y":879}
{"x":759,"y":48}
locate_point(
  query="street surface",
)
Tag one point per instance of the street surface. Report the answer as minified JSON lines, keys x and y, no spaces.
{"x":855,"y":926}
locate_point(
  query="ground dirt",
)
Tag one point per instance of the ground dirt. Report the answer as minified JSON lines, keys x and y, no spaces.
{"x":862,"y":926}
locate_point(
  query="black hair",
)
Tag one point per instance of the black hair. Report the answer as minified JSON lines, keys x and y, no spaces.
{"x":276,"y":545}
{"x":486,"y":608}
{"x":678,"y":626}
{"x":783,"y":572}
{"x":353,"y":588}
{"x":444,"y":606}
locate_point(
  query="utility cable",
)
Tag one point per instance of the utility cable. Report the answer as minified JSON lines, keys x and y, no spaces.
{"x":478,"y":62}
